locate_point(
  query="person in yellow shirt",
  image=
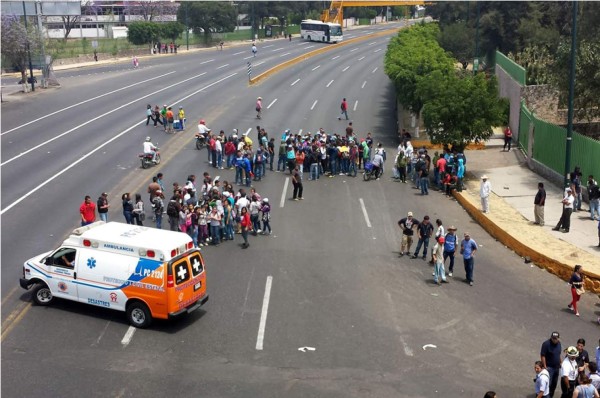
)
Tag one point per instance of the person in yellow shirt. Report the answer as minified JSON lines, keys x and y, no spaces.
{"x":181,"y":117}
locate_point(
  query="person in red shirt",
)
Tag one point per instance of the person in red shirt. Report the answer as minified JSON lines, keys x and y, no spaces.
{"x":245,"y":224}
{"x":87,"y":210}
{"x":507,"y":138}
{"x":344,"y":109}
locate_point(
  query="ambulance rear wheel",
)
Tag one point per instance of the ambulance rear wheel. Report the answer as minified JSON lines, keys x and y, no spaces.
{"x":42,"y":295}
{"x":139,"y":315}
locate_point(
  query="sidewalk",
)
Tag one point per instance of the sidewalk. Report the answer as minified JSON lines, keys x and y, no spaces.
{"x":510,"y":219}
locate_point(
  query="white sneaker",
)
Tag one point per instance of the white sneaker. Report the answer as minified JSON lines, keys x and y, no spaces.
{"x":258,"y":231}
{"x":450,"y":274}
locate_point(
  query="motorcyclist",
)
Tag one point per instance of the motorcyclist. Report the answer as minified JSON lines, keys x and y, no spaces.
{"x":202,"y":129}
{"x":150,"y":148}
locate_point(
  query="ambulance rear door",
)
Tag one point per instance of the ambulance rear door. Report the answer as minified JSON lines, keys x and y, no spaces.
{"x":186,"y":282}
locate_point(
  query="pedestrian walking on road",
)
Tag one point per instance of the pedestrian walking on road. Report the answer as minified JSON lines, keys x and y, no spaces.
{"x":138,"y":210}
{"x":407,"y":225}
{"x":439,"y":273}
{"x":158,"y":207}
{"x":565,"y":218}
{"x":542,"y":381}
{"x":157,"y":116}
{"x":468,"y":247}
{"x":344,"y":109}
{"x":484,"y":192}
{"x":576,"y":187}
{"x":127,"y":208}
{"x":538,"y":205}
{"x":149,"y":114}
{"x":450,"y":246}
{"x":424,"y":231}
{"x":577,"y":289}
{"x":246,"y":224}
{"x":102,"y":205}
{"x":550,"y":359}
{"x":297,"y":181}
{"x":259,"y":107}
{"x":87,"y":211}
{"x":593,"y":197}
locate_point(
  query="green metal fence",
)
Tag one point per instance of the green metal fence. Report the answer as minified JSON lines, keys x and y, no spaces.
{"x":515,"y":70}
{"x":549,"y":145}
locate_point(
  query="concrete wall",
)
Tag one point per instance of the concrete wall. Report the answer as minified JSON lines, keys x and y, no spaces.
{"x":510,"y":89}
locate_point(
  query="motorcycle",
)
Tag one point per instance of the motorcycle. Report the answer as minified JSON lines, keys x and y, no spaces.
{"x":146,"y":159}
{"x":200,"y":141}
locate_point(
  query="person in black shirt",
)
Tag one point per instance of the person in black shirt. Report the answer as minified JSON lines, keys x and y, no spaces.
{"x":407,"y":226}
{"x":583,"y":360}
{"x":550,"y":357}
{"x":539,"y":202}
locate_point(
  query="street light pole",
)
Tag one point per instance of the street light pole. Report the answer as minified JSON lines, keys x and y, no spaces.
{"x":28,"y":49}
{"x":187,"y":28}
{"x":571,"y":94}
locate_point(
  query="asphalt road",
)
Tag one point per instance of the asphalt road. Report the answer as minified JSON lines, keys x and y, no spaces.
{"x":337,"y":284}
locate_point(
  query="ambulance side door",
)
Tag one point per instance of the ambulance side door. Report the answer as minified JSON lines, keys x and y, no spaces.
{"x":63,"y":271}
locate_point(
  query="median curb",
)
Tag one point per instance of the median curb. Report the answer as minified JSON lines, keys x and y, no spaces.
{"x":554,"y":266}
{"x":311,"y":54}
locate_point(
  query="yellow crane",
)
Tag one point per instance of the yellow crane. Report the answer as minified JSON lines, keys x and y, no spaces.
{"x":335,"y":13}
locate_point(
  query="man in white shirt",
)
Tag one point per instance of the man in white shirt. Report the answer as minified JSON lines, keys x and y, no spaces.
{"x":542,"y":381}
{"x":565,"y":218}
{"x":484,"y":192}
{"x":569,"y":372}
{"x":150,"y":148}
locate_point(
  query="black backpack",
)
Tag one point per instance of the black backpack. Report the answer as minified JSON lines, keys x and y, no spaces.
{"x":157,"y":205}
{"x":172,"y":209}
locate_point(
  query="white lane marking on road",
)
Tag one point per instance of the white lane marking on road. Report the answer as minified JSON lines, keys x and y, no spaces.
{"x":364,"y":84}
{"x":128,"y":336}
{"x":101,"y":335}
{"x":303,"y":43}
{"x":361,"y":58}
{"x":296,"y":81}
{"x":263,"y":315}
{"x":205,"y":62}
{"x":308,"y":47}
{"x":313,"y":105}
{"x":87,"y":155}
{"x":260,"y":63}
{"x":354,"y":49}
{"x":329,"y":84}
{"x":284,"y":192}
{"x":373,"y":71}
{"x":270,"y":45}
{"x":336,"y":57}
{"x":93,"y":120}
{"x":370,"y":44}
{"x":239,"y":52}
{"x":277,"y":49}
{"x":304,"y":349}
{"x":355,"y":105}
{"x":87,"y":100}
{"x":247,"y":292}
{"x":248,"y":131}
{"x":252,"y":56}
{"x":364,"y":210}
{"x":376,"y":51}
{"x":316,"y":67}
{"x":222,"y":66}
{"x":346,"y":68}
{"x":271,"y":104}
{"x":283,"y":55}
{"x":407,"y":350}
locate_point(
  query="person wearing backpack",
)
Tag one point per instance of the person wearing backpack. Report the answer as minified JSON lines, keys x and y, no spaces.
{"x":450,"y":247}
{"x":158,"y":206}
{"x":258,"y":164}
{"x":173,"y":208}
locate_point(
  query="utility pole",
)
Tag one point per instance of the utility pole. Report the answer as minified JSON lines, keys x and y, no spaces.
{"x":43,"y":63}
{"x":476,"y":60}
{"x":28,"y":50}
{"x":187,"y":28}
{"x":571,"y":93}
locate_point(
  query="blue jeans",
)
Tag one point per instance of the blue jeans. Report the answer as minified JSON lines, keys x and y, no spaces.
{"x":194,"y":234}
{"x":425,"y":242}
{"x":314,"y":171}
{"x":258,"y":169}
{"x":266,"y":224}
{"x":469,"y":263}
{"x":239,"y":175}
{"x":158,"y":220}
{"x":219,"y":159}
{"x":229,"y":231}
{"x":352,"y":168}
{"x":128,"y":217}
{"x":281,"y":163}
{"x":332,"y":166}
{"x":215,"y":234}
{"x":577,"y":203}
{"x":440,"y":272}
{"x":248,"y":179}
{"x":345,"y":165}
{"x":424,"y":183}
{"x":230,"y":160}
{"x":104,"y":216}
{"x":595,"y":208}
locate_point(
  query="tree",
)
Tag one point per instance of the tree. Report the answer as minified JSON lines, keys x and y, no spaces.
{"x":459,"y":40}
{"x":17,"y":41}
{"x":150,"y":10}
{"x":460,"y":108}
{"x":69,"y":22}
{"x":141,"y":32}
{"x":172,"y":30}
{"x":208,"y":17}
{"x":412,"y":55}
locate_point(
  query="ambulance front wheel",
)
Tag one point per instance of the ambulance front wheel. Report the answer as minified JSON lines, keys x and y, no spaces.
{"x":139,"y":315}
{"x":42,"y":295}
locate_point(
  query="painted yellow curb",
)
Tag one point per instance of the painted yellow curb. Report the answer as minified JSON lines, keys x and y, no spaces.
{"x":303,"y":57}
{"x":560,"y":269}
{"x":427,"y":144}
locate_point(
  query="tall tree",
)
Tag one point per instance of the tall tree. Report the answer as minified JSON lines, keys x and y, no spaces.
{"x":16,"y":41}
{"x":142,"y":32}
{"x":208,"y":17}
{"x":151,"y":10}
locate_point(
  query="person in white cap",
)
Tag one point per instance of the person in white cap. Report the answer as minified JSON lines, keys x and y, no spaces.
{"x":569,"y":372}
{"x":565,"y":218}
{"x":407,"y":225}
{"x":484,"y":192}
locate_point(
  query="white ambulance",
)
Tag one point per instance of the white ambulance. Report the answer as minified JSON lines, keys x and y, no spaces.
{"x":146,"y":272}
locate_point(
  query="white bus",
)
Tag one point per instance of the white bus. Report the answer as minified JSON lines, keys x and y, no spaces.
{"x":321,"y":31}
